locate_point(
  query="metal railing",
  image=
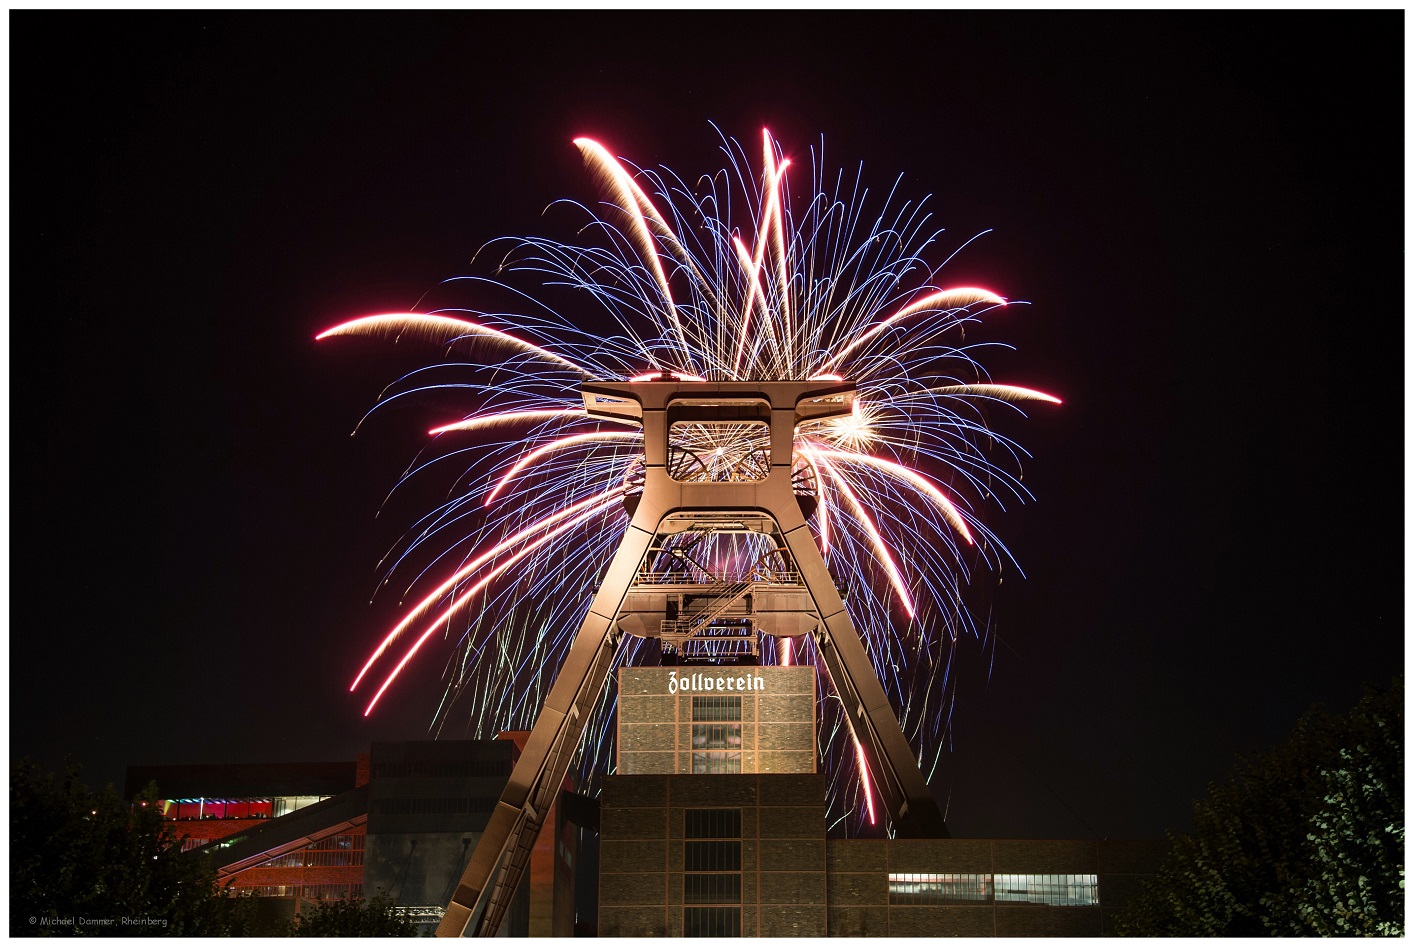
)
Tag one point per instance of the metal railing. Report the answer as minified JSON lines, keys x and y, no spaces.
{"x":758,"y":577}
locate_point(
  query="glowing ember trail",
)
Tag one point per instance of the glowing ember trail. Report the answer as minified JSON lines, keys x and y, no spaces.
{"x":421,"y":607}
{"x":864,"y":777}
{"x":881,"y":548}
{"x":510,"y":417}
{"x":557,"y":445}
{"x":732,"y":276}
{"x":466,"y":597}
{"x":437,"y":328}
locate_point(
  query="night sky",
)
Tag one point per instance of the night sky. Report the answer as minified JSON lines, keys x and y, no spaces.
{"x":1205,"y":212}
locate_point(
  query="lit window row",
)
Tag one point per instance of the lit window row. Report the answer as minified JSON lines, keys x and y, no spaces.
{"x":334,"y":892}
{"x":261,"y":807}
{"x":332,"y":851}
{"x":1058,"y":890}
{"x":1054,"y":890}
{"x":308,"y":859}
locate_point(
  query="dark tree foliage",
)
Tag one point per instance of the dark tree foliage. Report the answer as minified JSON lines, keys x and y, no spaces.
{"x":376,"y":917}
{"x":92,"y":863}
{"x":1306,"y":839}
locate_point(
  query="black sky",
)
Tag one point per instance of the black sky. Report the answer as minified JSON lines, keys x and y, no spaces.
{"x":1205,"y":211}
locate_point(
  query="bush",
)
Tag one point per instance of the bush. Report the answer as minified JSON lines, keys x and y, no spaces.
{"x":1306,"y":839}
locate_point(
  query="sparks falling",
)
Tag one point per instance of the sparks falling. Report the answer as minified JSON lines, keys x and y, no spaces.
{"x":665,"y":282}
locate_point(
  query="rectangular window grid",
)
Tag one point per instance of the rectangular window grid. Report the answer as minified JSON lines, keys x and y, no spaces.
{"x":711,"y":922}
{"x":711,"y":823}
{"x":711,"y":881}
{"x":336,"y":851}
{"x":703,"y":855}
{"x":1053,"y":890}
{"x":716,"y":763}
{"x":1058,"y":890}
{"x":716,"y":747}
{"x":940,"y":889}
{"x":716,"y":736}
{"x":334,"y":892}
{"x":716,"y":708}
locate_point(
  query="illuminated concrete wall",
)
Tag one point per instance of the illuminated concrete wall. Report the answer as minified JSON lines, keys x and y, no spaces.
{"x":716,"y":720}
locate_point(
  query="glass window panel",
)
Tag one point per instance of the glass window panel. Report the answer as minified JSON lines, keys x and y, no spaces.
{"x":712,"y":823}
{"x":711,"y":888}
{"x":711,"y":856}
{"x":716,"y":762}
{"x":711,"y":922}
{"x":940,"y":888}
{"x":716,"y":708}
{"x":1058,"y":890}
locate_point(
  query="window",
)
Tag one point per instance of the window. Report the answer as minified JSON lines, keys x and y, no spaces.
{"x":711,"y":880}
{"x":711,"y":856}
{"x":716,"y":747}
{"x":284,"y":805}
{"x":711,"y":823}
{"x":315,"y":892}
{"x":940,"y":889}
{"x":716,"y":708}
{"x":1056,"y":890}
{"x":711,"y":888}
{"x":711,"y":922}
{"x":336,"y":851}
{"x":201,"y":808}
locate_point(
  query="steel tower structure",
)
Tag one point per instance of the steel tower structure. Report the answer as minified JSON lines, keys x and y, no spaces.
{"x":748,"y":484}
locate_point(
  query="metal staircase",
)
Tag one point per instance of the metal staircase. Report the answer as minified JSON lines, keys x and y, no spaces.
{"x":700,"y":628}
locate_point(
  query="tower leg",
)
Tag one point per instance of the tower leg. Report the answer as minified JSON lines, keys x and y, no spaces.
{"x":892,"y":765}
{"x":489,"y":883}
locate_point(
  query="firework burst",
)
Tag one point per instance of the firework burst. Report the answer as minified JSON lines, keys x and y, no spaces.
{"x":729,"y":278}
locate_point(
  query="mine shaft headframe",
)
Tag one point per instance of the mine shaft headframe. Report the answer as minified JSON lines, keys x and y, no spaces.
{"x":758,"y":479}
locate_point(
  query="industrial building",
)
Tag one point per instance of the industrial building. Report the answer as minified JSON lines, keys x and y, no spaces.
{"x":399,"y":821}
{"x":714,"y":825}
